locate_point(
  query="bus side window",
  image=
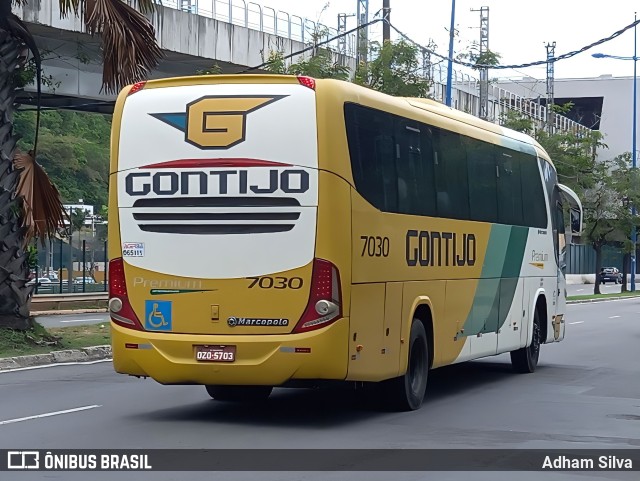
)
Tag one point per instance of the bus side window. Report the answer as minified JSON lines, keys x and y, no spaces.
{"x":371,"y":148}
{"x":415,"y":171}
{"x":534,"y":205}
{"x":450,"y":165}
{"x":509,"y":191}
{"x":483,"y":176}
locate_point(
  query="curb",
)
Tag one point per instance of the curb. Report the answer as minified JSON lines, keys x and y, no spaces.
{"x":94,"y":353}
{"x":602,"y":299}
{"x":67,"y":311}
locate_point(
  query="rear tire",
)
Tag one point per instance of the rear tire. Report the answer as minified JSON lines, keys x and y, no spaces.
{"x":406,"y":393}
{"x":525,"y":360}
{"x":239,"y":393}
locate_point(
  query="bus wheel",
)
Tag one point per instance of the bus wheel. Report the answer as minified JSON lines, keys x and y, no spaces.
{"x":525,"y":360}
{"x":405,"y":393}
{"x":239,"y":393}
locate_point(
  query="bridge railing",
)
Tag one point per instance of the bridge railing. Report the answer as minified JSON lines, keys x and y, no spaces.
{"x":264,"y":19}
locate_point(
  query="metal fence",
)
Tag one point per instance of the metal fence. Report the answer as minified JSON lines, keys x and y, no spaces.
{"x":88,"y":264}
{"x":76,"y":267}
{"x":581,"y":259}
{"x":466,"y":97}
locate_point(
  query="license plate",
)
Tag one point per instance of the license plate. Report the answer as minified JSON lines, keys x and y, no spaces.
{"x":215,"y":353}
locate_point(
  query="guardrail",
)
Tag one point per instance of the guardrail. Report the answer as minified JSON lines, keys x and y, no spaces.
{"x":55,"y":301}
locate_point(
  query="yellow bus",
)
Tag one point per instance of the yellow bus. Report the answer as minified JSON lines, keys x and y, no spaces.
{"x":272,"y":230}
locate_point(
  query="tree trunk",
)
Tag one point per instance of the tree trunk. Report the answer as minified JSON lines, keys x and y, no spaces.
{"x":598,"y":249}
{"x":15,"y":295}
{"x":626,"y":260}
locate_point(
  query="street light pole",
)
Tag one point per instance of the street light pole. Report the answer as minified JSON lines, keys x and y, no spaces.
{"x":633,"y":150}
{"x":450,"y":60}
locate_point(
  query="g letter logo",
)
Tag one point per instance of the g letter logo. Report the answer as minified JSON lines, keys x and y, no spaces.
{"x":216,"y":122}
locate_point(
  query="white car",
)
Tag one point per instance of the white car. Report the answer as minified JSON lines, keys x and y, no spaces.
{"x":87,"y":280}
{"x":40,"y":280}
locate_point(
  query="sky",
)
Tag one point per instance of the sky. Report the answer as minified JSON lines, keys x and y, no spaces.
{"x":518,"y":30}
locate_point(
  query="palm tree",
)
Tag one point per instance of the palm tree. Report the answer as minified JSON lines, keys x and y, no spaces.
{"x":30,"y":205}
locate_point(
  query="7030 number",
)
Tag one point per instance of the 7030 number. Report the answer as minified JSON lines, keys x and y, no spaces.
{"x":276,"y":282}
{"x":374,"y":246}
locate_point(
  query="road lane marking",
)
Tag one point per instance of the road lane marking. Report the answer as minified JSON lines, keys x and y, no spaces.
{"x":46,"y":415}
{"x":580,"y":290}
{"x":56,"y":364}
{"x":86,"y":320}
{"x":614,"y":317}
{"x":576,"y":322}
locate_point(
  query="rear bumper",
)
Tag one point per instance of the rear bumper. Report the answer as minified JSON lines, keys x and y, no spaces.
{"x":260,"y":359}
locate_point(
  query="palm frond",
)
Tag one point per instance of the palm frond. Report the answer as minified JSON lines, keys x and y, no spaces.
{"x":148,"y":6}
{"x":68,"y":6}
{"x":43,"y":211}
{"x":129,"y":46}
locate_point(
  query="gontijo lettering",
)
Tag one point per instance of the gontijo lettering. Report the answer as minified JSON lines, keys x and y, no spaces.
{"x":218,"y":182}
{"x":436,"y":249}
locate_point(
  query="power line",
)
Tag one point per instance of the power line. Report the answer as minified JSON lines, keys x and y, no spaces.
{"x":523,"y":65}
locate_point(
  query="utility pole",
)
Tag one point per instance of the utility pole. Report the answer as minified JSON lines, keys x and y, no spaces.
{"x":484,"y":71}
{"x":363,"y":32}
{"x":342,"y":39}
{"x":386,"y":26}
{"x":551,"y":53}
{"x":426,"y":64}
{"x":342,"y":27}
{"x":447,"y":99}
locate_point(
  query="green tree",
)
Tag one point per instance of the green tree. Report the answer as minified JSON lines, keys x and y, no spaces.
{"x":29,"y":204}
{"x":321,"y":63}
{"x":73,"y":150}
{"x":395,"y":70}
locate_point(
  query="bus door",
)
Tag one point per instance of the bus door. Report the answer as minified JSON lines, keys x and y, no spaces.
{"x":559,"y":247}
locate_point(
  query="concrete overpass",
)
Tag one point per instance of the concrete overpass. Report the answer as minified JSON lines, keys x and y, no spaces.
{"x":193,"y":34}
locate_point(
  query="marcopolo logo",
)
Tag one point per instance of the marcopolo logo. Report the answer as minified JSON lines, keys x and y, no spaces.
{"x":216,"y":122}
{"x":249,"y":321}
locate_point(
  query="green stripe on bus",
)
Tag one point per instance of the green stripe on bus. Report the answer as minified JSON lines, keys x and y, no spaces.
{"x":499,"y":279}
{"x":511,"y":270}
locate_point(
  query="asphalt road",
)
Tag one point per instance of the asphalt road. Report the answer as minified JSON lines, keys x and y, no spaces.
{"x":587,"y":289}
{"x":585,"y":394}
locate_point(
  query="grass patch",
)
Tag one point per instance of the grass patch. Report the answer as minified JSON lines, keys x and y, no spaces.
{"x":603,"y":296}
{"x":39,"y":340}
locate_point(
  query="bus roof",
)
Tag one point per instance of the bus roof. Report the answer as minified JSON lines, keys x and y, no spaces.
{"x":358,"y":92}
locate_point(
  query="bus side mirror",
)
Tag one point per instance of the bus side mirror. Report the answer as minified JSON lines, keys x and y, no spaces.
{"x":576,"y":221}
{"x":575,"y":212}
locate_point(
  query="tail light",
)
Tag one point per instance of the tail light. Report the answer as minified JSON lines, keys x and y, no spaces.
{"x":136,"y":87}
{"x":325,"y":298}
{"x":120,"y":309}
{"x":308,"y":82}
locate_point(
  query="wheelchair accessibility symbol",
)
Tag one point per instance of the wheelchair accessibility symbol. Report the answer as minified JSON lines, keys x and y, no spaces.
{"x":157,"y":316}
